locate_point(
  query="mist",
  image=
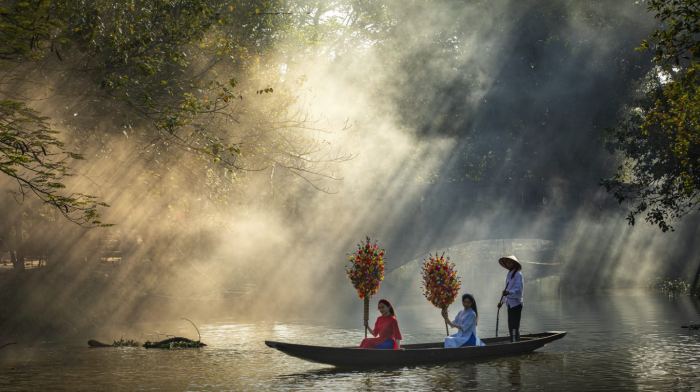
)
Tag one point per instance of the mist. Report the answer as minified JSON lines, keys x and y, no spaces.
{"x":470,"y":127}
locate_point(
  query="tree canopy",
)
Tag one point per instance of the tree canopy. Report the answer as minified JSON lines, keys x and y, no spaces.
{"x":170,"y":68}
{"x":659,"y":137}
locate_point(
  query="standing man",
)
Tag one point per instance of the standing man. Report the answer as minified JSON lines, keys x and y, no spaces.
{"x":512,"y":295}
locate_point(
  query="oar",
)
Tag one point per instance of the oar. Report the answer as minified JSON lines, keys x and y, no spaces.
{"x":500,"y":301}
{"x":498,"y":313}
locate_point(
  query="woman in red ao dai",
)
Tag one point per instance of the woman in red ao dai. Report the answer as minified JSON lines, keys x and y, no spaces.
{"x":386,"y":329}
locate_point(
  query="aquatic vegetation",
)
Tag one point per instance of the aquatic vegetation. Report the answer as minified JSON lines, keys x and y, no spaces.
{"x":125,"y":343}
{"x":116,"y":343}
{"x":170,"y":343}
{"x":173,"y":343}
{"x":177,"y":341}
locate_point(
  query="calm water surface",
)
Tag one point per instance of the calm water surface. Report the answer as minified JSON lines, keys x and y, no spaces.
{"x":627,"y":341}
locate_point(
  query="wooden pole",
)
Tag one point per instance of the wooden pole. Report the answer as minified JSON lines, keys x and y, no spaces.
{"x":498,"y":313}
{"x":447,"y":328}
{"x":366,"y":313}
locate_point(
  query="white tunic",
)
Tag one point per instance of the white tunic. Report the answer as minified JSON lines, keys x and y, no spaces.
{"x":466,"y":320}
{"x":514,"y":286}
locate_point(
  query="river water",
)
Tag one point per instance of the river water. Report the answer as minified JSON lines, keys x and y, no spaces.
{"x":616,"y":342}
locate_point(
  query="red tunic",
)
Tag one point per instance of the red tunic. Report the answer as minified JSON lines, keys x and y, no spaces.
{"x":386,"y":327}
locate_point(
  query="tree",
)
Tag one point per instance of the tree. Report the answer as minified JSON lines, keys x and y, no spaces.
{"x":31,"y":154}
{"x":166,"y":68}
{"x":659,"y":136}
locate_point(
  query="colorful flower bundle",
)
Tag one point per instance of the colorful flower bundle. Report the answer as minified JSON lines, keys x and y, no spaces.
{"x":366,"y":272}
{"x":366,"y":269}
{"x":440,"y":281}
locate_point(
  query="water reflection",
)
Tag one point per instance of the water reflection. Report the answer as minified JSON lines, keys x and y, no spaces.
{"x":514,"y":374}
{"x":618,"y":342}
{"x":455,"y":377}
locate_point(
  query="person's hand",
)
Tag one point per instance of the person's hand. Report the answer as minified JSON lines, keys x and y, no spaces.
{"x":505,"y":292}
{"x":499,"y":305}
{"x":367,"y":325}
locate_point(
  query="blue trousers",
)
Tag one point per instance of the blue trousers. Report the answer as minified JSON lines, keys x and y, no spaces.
{"x":470,"y":342}
{"x":387,"y":344}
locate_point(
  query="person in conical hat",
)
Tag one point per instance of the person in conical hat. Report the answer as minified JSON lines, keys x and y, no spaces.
{"x":512,"y":295}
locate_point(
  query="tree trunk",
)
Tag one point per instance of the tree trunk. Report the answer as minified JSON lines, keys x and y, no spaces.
{"x":696,"y":281}
{"x":16,"y":254}
{"x":17,"y":260}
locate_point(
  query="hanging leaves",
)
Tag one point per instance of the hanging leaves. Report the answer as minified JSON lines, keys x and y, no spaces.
{"x":31,"y":153}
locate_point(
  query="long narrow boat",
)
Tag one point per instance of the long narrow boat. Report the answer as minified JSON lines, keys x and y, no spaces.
{"x":412,"y":354}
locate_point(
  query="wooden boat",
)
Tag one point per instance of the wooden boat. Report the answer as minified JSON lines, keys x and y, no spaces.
{"x":412,"y":354}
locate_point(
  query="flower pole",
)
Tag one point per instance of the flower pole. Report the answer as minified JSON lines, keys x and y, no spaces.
{"x":366,"y":272}
{"x":440,"y":282}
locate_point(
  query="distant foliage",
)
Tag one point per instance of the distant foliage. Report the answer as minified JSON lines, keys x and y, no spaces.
{"x":659,"y":137}
{"x":672,"y":287}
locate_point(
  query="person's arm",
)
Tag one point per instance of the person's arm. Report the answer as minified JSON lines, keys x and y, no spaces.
{"x":397,"y":331}
{"x":370,"y":330}
{"x":466,"y":323}
{"x":447,"y":319}
{"x":504,"y":294}
{"x":452,"y":323}
{"x":397,"y":334}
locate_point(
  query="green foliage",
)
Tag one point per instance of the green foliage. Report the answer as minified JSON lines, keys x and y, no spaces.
{"x":166,"y":60}
{"x":660,"y":135}
{"x":174,"y":343}
{"x":182,"y":344}
{"x":181,"y":72}
{"x":31,"y":154}
{"x":125,"y":343}
{"x":162,"y":58}
{"x":25,"y":27}
{"x":672,"y":287}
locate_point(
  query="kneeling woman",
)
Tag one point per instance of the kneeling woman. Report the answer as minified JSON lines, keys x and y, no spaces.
{"x":386,"y":329}
{"x":465,"y":322}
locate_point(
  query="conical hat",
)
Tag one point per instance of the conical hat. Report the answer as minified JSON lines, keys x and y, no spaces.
{"x":502,"y":260}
